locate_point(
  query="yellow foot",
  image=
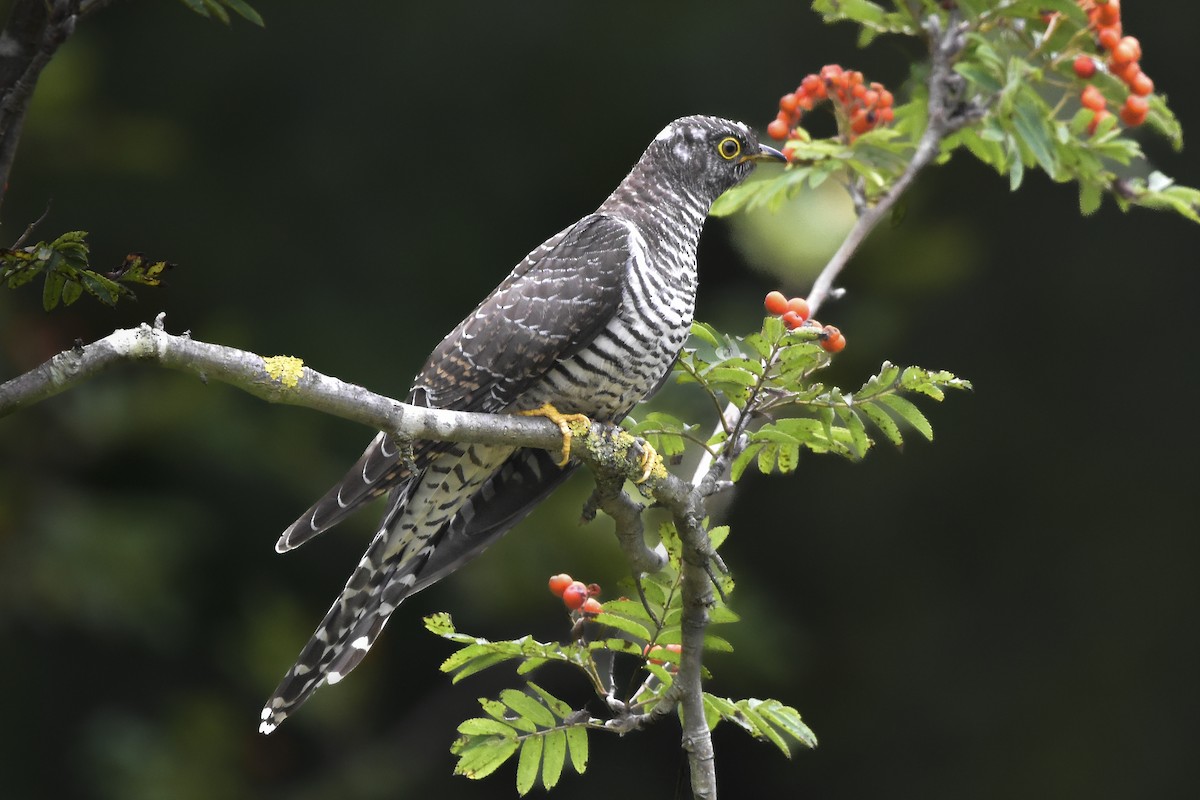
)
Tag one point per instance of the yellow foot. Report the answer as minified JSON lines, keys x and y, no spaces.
{"x":649,"y":460}
{"x":551,"y":413}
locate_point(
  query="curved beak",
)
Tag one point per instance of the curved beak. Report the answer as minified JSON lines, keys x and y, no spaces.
{"x":765,"y":153}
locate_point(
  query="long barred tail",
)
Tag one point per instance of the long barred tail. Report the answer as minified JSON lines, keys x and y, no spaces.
{"x":348,"y":630}
{"x":401,"y":560}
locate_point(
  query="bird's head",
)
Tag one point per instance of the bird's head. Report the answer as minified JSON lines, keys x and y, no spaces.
{"x":715,"y":154}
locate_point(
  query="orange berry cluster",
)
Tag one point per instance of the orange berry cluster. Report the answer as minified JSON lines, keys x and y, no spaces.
{"x":1124,"y":56}
{"x":795,"y":314}
{"x":576,"y":595}
{"x":860,"y":106}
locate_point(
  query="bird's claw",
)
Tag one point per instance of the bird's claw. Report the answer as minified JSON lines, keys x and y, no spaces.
{"x":648,"y":460}
{"x":563,"y":421}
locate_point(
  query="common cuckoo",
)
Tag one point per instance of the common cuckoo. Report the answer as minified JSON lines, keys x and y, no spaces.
{"x":590,"y":322}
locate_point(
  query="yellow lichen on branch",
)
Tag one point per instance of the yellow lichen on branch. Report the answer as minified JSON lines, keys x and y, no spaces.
{"x":285,"y":370}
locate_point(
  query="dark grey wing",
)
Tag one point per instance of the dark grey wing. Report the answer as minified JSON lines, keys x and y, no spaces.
{"x":549,"y":307}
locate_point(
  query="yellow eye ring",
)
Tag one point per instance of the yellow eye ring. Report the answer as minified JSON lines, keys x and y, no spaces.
{"x":729,"y":148}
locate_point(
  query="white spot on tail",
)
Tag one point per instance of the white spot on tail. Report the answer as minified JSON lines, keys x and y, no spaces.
{"x":361,"y":643}
{"x":333,"y":677}
{"x":266,"y":727}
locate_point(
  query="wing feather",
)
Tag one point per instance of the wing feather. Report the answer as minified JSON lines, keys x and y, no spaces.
{"x":552,"y":304}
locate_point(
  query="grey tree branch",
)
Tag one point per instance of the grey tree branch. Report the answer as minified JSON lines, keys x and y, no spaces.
{"x":34,"y":31}
{"x":281,"y":379}
{"x":611,"y":453}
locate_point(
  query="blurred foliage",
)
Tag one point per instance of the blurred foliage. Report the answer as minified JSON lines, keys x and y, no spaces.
{"x":64,"y":265}
{"x":322,"y":178}
{"x":627,"y":643}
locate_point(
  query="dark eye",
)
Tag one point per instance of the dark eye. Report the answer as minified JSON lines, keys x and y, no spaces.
{"x":729,"y":148}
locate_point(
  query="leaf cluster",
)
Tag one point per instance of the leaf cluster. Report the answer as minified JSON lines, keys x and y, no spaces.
{"x":772,"y":375}
{"x":626,"y":643}
{"x":1017,"y":75}
{"x":64,"y":264}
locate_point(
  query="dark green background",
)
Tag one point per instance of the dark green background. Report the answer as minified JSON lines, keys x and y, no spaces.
{"x":1010,"y":612}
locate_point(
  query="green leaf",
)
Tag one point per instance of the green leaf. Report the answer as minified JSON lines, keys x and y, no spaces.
{"x":786,"y":719}
{"x":103,"y":289}
{"x":743,"y":460}
{"x":500,"y":712}
{"x":243,"y":10}
{"x":720,"y":614}
{"x":1090,"y":196}
{"x":528,"y":763}
{"x":909,"y":413}
{"x":766,"y":459}
{"x":1029,"y":120}
{"x":621,"y":623}
{"x":71,"y":292}
{"x":528,"y":707}
{"x":717,"y":644}
{"x":705,"y":333}
{"x":717,"y":535}
{"x":217,"y":10}
{"x":883,"y":421}
{"x":577,"y":746}
{"x":52,"y":289}
{"x":553,"y":755}
{"x":559,"y":707}
{"x":763,"y":729}
{"x":481,"y":756}
{"x":483,"y":726}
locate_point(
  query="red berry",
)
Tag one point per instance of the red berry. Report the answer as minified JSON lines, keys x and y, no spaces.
{"x":885,"y":115}
{"x":778,"y":129}
{"x":575,"y":595}
{"x":1126,"y":72}
{"x":1133,"y":113}
{"x":860,"y":122}
{"x":1124,"y":52}
{"x":776,"y":303}
{"x":832,"y":340}
{"x":1085,"y":67}
{"x":1141,"y":84}
{"x":1091,"y":98}
{"x":813,"y":86}
{"x":788,"y":103}
{"x":1109,"y":37}
{"x":591,"y":607}
{"x":831,"y":71}
{"x":792,"y":320}
{"x":800,"y":306}
{"x":1110,"y":12}
{"x":1134,"y":45}
{"x":558,"y":583}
